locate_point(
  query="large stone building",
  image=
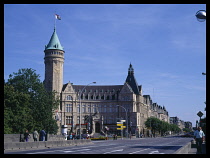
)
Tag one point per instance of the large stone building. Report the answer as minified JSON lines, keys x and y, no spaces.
{"x":97,"y":106}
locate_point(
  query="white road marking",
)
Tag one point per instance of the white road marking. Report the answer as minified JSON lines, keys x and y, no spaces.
{"x":113,"y":151}
{"x":155,"y":152}
{"x":68,"y":151}
{"x":138,"y":151}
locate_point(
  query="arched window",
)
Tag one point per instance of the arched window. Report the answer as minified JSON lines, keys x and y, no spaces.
{"x":91,"y":97}
{"x":107,"y":98}
{"x":113,"y":97}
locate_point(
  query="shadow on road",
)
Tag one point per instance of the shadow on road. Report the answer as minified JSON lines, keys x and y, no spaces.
{"x":169,"y":147}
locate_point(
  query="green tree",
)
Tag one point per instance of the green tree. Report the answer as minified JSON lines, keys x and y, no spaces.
{"x":157,"y":125}
{"x":16,"y":110}
{"x":40,"y":104}
{"x":153,"y":123}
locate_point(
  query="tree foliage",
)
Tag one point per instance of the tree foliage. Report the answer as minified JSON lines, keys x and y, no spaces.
{"x":157,"y":125}
{"x":27,"y":105}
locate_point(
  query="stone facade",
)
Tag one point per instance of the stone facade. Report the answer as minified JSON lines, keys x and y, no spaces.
{"x":100,"y":105}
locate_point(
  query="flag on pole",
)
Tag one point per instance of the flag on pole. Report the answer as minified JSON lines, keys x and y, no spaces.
{"x":57,"y":17}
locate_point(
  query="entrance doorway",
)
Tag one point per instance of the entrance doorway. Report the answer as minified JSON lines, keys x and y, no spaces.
{"x":97,"y":127}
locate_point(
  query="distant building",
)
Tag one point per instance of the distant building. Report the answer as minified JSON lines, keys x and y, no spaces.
{"x":101,"y":105}
{"x":174,"y":120}
{"x":188,"y":125}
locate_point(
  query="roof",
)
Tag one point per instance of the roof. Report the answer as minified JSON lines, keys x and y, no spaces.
{"x":54,"y":42}
{"x":93,"y":88}
{"x":132,"y":81}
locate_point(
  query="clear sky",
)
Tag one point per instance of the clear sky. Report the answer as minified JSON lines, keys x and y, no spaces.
{"x":164,"y":42}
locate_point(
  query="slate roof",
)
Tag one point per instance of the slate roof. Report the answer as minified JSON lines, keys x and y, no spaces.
{"x":54,"y":42}
{"x":132,"y":81}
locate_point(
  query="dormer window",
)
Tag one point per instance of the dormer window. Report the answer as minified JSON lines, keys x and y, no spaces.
{"x":69,"y":97}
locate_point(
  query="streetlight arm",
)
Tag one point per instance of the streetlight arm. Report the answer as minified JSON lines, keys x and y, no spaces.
{"x":80,"y":108}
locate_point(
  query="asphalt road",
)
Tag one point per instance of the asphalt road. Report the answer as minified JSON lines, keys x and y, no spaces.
{"x":167,"y":145}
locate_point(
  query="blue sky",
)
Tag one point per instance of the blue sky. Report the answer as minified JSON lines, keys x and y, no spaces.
{"x":164,"y":42}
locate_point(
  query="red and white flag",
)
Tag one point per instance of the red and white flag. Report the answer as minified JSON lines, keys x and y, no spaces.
{"x":57,"y":17}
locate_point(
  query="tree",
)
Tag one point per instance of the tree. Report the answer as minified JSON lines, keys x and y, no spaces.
{"x":15,"y":110}
{"x":157,"y":125}
{"x":40,"y":104}
{"x":153,"y":123}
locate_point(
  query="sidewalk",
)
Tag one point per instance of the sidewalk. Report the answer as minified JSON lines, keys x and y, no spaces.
{"x":193,"y":149}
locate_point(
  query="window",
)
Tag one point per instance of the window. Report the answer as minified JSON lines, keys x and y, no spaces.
{"x":83,"y":119}
{"x":69,"y":97}
{"x":84,"y":108}
{"x":94,"y":108}
{"x":104,"y":108}
{"x":89,"y":108}
{"x":107,"y":98}
{"x":68,"y":120}
{"x":82,"y":96}
{"x":110,"y":108}
{"x":78,"y":120}
{"x":78,"y":108}
{"x":91,"y":97}
{"x":113,"y":97}
{"x":68,"y":107}
{"x":99,"y":108}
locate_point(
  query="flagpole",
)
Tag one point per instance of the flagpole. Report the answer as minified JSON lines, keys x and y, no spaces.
{"x":54,"y":22}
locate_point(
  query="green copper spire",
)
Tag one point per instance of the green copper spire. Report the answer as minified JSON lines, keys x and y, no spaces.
{"x":54,"y":42}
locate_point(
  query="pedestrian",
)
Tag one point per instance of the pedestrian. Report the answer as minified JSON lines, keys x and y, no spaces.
{"x":26,"y":136}
{"x":71,"y":137}
{"x":199,"y":137}
{"x":42,"y":135}
{"x":113,"y":136}
{"x":35,"y":135}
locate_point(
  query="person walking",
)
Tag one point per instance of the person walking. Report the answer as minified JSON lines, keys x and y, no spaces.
{"x":199,"y":137}
{"x":35,"y":135}
{"x":26,"y":136}
{"x":42,"y":135}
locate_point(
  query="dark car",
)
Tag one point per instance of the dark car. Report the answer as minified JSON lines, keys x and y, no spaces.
{"x":188,"y":135}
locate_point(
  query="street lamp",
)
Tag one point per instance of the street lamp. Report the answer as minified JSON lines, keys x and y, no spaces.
{"x":80,"y":108}
{"x":201,"y":15}
{"x":126,"y":119}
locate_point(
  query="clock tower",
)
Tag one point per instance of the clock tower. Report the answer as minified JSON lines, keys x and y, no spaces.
{"x":54,"y":59}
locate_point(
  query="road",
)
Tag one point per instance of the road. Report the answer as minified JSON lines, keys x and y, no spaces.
{"x":159,"y":145}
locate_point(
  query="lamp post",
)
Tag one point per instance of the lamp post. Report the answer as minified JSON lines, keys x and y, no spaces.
{"x":126,"y":119}
{"x":80,"y":108}
{"x":201,"y":15}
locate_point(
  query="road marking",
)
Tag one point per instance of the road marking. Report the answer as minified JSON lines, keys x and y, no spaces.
{"x":155,"y":152}
{"x":68,"y":151}
{"x":138,"y":151}
{"x":43,"y":152}
{"x":113,"y":151}
{"x":65,"y":150}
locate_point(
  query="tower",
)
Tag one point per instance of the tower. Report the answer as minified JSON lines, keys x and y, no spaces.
{"x":54,"y":59}
{"x":131,"y":80}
